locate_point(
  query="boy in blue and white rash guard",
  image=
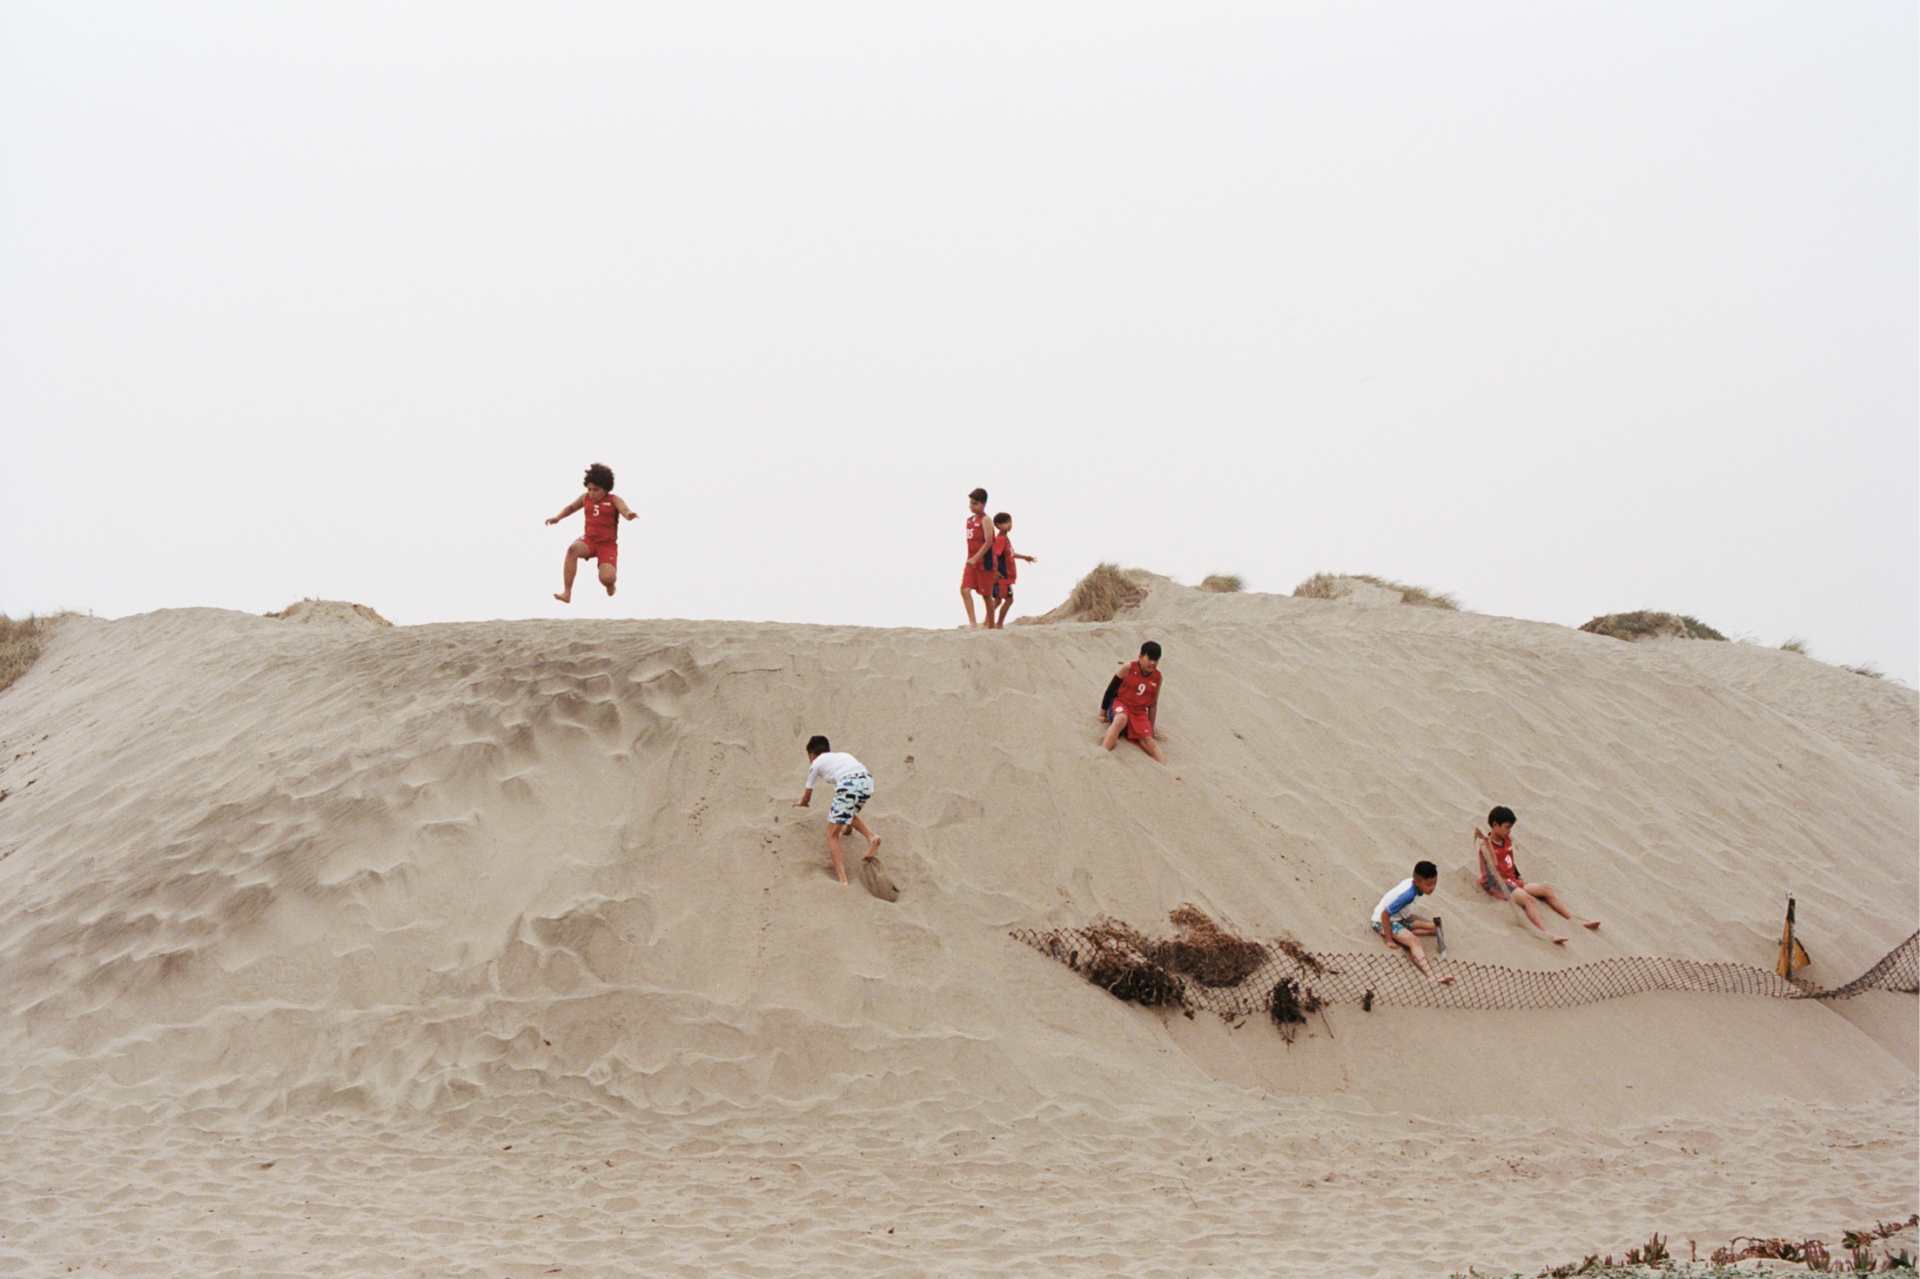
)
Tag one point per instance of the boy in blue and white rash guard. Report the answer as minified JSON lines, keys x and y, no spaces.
{"x":1391,"y":921}
{"x":852,"y":788}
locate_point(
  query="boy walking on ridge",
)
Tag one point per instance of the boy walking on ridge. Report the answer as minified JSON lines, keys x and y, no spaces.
{"x":1391,"y":921}
{"x":1003,"y":560}
{"x":1501,"y":877}
{"x":601,"y":539}
{"x":974,"y":578}
{"x":1136,"y":701}
{"x":852,"y":788}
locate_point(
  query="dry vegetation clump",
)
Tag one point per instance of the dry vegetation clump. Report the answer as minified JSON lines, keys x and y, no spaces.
{"x":1290,"y":1005}
{"x":1332,"y":586}
{"x":1646,"y":624}
{"x":1797,"y":644}
{"x":1122,"y":964}
{"x":1100,"y":596}
{"x":1204,"y":952}
{"x":313,"y":610}
{"x":1868,"y":669}
{"x":1223,"y":583}
{"x":20,"y":644}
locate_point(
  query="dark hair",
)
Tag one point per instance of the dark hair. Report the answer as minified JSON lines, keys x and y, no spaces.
{"x":979,"y":495}
{"x":602,"y":474}
{"x":1150,"y":649}
{"x":818,"y":745}
{"x":1500,"y":814}
{"x":1003,"y":518}
{"x":1425,"y":870}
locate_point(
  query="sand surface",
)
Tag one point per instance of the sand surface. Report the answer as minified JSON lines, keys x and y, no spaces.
{"x":495,"y":948}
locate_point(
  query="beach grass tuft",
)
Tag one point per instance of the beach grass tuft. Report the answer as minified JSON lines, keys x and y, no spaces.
{"x":1647,"y":624}
{"x":21,"y":640}
{"x":1331,"y":586}
{"x":1223,"y":583}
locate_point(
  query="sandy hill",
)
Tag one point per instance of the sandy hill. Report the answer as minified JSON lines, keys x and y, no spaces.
{"x":347,"y":887}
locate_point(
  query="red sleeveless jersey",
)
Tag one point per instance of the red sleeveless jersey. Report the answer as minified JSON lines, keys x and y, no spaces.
{"x":603,"y":519}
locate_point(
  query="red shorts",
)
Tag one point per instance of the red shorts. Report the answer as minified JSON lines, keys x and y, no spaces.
{"x":978,"y":577}
{"x":1139,"y":726}
{"x":605,"y":552}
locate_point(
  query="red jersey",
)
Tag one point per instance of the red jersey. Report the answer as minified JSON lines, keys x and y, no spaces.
{"x":976,"y":534}
{"x":603,"y":519}
{"x":1503,"y":861}
{"x":1139,"y":690}
{"x":1002,"y":557}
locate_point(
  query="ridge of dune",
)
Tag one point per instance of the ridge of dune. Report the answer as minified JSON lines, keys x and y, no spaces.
{"x":464,"y":873}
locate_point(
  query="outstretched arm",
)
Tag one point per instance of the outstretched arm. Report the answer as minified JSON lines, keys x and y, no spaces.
{"x":570,"y":508}
{"x":805,"y":795}
{"x":620,"y":505}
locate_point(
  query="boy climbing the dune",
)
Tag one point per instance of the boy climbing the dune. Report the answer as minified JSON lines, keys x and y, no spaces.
{"x":852,"y":788}
{"x":1133,"y":700}
{"x":1391,"y":921}
{"x":1500,"y":876}
{"x":600,"y":540}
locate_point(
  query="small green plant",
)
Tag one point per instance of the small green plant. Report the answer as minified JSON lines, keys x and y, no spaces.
{"x":1651,"y":1253}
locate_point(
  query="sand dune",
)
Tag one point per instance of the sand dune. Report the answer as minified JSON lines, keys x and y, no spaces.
{"x":491,"y":948}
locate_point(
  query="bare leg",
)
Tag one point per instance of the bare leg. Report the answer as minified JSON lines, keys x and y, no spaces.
{"x":833,"y":846}
{"x":1411,"y":943}
{"x":966,"y":597}
{"x":1117,"y":727}
{"x":1524,"y":900}
{"x":607,"y":574}
{"x":873,"y":840}
{"x":1545,"y":893}
{"x":1152,"y":747}
{"x":574,"y":553}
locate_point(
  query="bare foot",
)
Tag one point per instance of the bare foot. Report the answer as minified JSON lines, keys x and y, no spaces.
{"x":1591,"y":923}
{"x":1558,"y":941}
{"x":565,"y":597}
{"x":873,"y":849}
{"x":1443,"y":981}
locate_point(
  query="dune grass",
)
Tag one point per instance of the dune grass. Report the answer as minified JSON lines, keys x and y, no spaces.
{"x":1797,"y":644}
{"x":1647,"y":624}
{"x":20,"y":643}
{"x":1100,"y":596}
{"x":1331,"y":586}
{"x":1223,"y":583}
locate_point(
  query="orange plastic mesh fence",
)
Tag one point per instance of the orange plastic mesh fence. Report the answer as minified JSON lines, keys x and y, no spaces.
{"x":1283,"y":979}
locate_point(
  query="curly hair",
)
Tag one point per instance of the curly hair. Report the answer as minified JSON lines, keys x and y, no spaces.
{"x":601,"y":474}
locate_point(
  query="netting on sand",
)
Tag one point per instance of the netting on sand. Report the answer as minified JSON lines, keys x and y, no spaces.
{"x":1205,"y":968}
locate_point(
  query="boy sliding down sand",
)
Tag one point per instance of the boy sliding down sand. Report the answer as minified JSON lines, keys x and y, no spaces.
{"x":600,"y":542}
{"x":1501,"y":877}
{"x":1391,"y":921}
{"x":1133,"y":701}
{"x":852,"y":788}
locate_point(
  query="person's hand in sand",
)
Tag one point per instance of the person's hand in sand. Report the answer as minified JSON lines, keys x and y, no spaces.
{"x":1500,"y":875}
{"x":1136,"y":702}
{"x":1403,"y":931}
{"x":852,"y":788}
{"x":601,"y":539}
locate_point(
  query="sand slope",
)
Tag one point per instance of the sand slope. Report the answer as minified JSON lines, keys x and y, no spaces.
{"x":372,"y":904}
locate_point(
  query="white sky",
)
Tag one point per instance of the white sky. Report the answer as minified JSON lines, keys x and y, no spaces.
{"x":1565,"y":308}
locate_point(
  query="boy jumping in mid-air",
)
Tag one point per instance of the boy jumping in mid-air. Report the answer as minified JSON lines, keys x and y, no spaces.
{"x":1003,"y":560}
{"x":1501,"y":877}
{"x":600,"y":542}
{"x":1391,"y":921}
{"x":852,"y":788}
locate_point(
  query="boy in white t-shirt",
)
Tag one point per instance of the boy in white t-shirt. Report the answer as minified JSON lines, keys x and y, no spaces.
{"x":852,"y":788}
{"x":1404,"y":931}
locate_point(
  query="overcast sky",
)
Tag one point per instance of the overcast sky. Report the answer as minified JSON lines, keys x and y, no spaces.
{"x":1564,"y":308}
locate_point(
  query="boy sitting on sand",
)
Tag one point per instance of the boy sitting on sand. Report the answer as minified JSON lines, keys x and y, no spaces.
{"x":600,"y":541}
{"x":1135,"y":700}
{"x":1501,"y":877}
{"x":1004,"y":562}
{"x":1391,"y":921}
{"x":852,"y":788}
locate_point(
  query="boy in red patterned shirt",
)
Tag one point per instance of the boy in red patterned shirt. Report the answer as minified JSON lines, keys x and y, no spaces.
{"x":600,"y":541}
{"x":1004,"y":561}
